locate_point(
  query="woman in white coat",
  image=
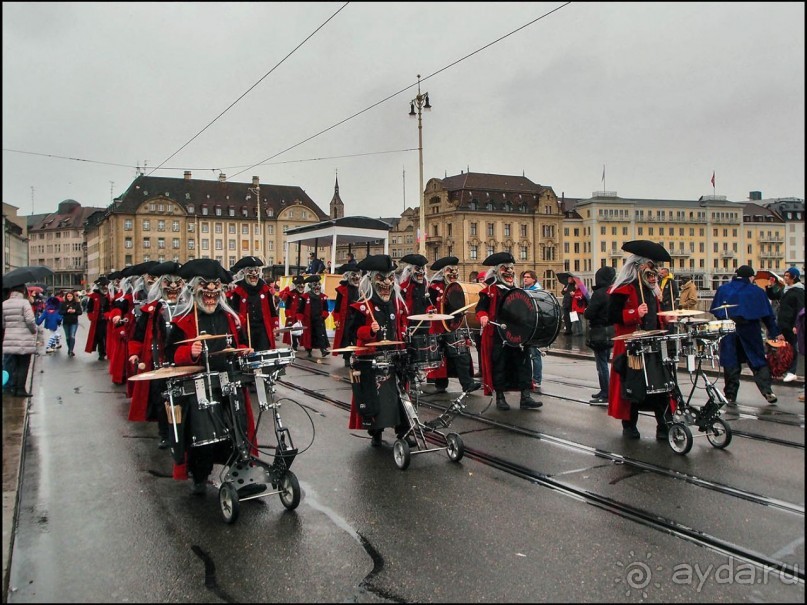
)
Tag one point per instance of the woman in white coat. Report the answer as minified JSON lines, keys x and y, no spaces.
{"x":19,"y":337}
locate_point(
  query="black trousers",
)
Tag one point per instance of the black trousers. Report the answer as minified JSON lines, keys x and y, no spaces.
{"x":21,"y":372}
{"x":460,"y":367}
{"x":659,"y":404}
{"x":762,"y":378}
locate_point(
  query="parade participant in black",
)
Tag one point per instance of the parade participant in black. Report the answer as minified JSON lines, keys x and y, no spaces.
{"x":347,"y":292}
{"x":203,"y":308}
{"x":114,"y":291}
{"x":600,"y":331}
{"x":97,"y":309}
{"x":291,"y":301}
{"x":147,"y":347}
{"x":253,"y":299}
{"x":752,"y":308}
{"x":566,"y":304}
{"x":312,"y":311}
{"x":379,"y":314}
{"x":456,"y":359}
{"x":412,"y":281}
{"x":668,"y":287}
{"x":504,"y":368}
{"x":633,"y":304}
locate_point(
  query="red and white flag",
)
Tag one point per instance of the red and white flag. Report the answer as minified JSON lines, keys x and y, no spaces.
{"x":713,"y":178}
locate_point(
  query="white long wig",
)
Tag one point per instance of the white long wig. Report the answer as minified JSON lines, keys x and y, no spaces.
{"x":629,"y":273}
{"x":366,"y":288}
{"x":186,"y":300}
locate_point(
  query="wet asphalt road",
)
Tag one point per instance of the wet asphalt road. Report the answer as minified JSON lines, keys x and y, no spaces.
{"x":101,"y":519}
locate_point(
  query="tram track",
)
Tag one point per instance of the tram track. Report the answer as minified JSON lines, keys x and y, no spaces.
{"x":627,"y":511}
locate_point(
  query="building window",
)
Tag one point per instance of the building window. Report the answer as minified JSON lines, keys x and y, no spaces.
{"x":473,"y":229}
{"x":147,"y":242}
{"x":161,"y":242}
{"x":160,"y":225}
{"x":190,"y":208}
{"x":191,"y":244}
{"x":522,"y":252}
{"x":491,"y":231}
{"x":205,"y":227}
{"x":231,"y":245}
{"x":219,"y":244}
{"x":175,"y":243}
{"x":523,"y":229}
{"x":128,"y":243}
{"x":218,"y":210}
{"x":506,"y":230}
{"x":244,"y":229}
{"x":204,"y":210}
{"x":205,"y":244}
{"x":219,"y":228}
{"x":146,"y":225}
{"x":127,"y":224}
{"x":231,"y":212}
{"x":191,"y":227}
{"x":175,"y":226}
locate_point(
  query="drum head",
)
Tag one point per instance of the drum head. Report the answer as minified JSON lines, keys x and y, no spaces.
{"x":532,"y":318}
{"x":457,"y":296}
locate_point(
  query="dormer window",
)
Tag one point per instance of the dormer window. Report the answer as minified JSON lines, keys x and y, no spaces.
{"x":231,"y":211}
{"x":190,"y":208}
{"x":218,"y":210}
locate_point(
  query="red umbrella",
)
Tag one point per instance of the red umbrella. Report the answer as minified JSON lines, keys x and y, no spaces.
{"x":768,"y":275}
{"x":34,"y":290}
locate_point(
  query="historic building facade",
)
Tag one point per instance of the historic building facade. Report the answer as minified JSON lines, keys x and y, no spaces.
{"x":15,"y":239}
{"x":160,"y":218}
{"x":791,"y":211}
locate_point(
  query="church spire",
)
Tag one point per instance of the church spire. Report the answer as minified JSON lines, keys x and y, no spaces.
{"x":337,"y":209}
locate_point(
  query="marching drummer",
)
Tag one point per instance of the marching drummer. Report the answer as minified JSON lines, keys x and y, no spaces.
{"x":412,"y":280}
{"x":504,"y":368}
{"x":147,"y":346}
{"x":97,"y":309}
{"x":312,"y":311}
{"x":456,"y":355}
{"x":378,"y":315}
{"x":253,"y":299}
{"x":634,"y":303}
{"x":347,"y":292}
{"x":203,"y":310}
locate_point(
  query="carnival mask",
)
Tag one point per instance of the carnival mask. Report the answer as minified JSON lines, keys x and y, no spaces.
{"x":418,"y":274}
{"x":300,"y":287}
{"x":171,"y":286}
{"x":252,"y":275}
{"x":451,"y":273}
{"x":207,"y":295}
{"x":316,"y":288}
{"x":507,"y":274}
{"x":149,"y":280}
{"x":353,"y":278}
{"x":382,"y":284}
{"x":649,"y":277}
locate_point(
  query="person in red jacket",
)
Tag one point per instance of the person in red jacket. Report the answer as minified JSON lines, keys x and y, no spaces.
{"x":97,"y":309}
{"x":291,"y":301}
{"x":504,"y":368}
{"x":146,"y":347}
{"x":379,"y":314}
{"x":203,"y":309}
{"x":312,"y":311}
{"x":347,"y":292}
{"x":254,"y":301}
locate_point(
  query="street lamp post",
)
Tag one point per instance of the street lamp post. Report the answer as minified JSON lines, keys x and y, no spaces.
{"x":421,"y":101}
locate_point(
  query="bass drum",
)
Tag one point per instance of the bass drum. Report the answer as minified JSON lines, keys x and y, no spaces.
{"x":457,"y":296}
{"x":531,"y":318}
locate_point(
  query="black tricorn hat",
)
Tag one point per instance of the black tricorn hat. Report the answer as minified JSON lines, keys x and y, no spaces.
{"x":102,"y":280}
{"x":498,"y":258}
{"x":298,"y":279}
{"x":206,"y":268}
{"x":647,"y":249}
{"x":247,"y":261}
{"x":169,"y":267}
{"x":113,"y":275}
{"x":444,"y":262}
{"x":312,"y":279}
{"x":143,"y":268}
{"x":376,"y":262}
{"x":415,"y":259}
{"x":342,"y":269}
{"x":125,"y":272}
{"x":745,"y":271}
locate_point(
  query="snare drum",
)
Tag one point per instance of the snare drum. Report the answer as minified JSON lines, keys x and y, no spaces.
{"x":424,"y":351}
{"x":202,"y":412}
{"x":267,"y":359}
{"x":716,"y":328}
{"x":456,"y":342}
{"x":647,"y":355}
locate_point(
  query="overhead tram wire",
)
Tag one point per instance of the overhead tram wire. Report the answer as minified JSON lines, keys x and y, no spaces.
{"x":311,"y":35}
{"x":395,"y":94}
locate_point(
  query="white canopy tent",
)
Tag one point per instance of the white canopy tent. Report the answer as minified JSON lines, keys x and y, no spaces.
{"x":340,"y":231}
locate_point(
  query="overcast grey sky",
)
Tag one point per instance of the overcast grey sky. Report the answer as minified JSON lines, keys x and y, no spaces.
{"x":662,"y":94}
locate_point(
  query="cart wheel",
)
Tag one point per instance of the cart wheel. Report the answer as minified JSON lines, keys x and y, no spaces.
{"x":680,"y":438}
{"x":455,"y":449}
{"x":400,"y":451}
{"x":228,"y":501}
{"x":719,"y":433}
{"x":289,"y":490}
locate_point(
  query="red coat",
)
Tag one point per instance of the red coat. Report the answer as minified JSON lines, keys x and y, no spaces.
{"x":485,"y":359}
{"x":340,"y":313}
{"x":138,"y":408}
{"x":95,"y":317}
{"x":182,"y":357}
{"x":619,"y":407}
{"x":305,"y":316}
{"x":119,"y":335}
{"x":291,"y":299}
{"x":239,"y":295}
{"x":436,"y":291}
{"x":364,"y":335}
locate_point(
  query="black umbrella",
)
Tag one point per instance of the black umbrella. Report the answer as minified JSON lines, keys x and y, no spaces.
{"x":563,"y":278}
{"x":24,"y":275}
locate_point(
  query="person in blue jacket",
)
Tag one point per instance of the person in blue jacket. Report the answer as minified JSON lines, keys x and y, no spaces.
{"x":52,"y":319}
{"x":748,"y":306}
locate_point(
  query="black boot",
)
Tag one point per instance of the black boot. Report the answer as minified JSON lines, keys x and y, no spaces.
{"x":527,"y":402}
{"x":501,"y":402}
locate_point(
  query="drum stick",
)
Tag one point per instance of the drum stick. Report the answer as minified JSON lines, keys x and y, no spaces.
{"x":249,"y":332}
{"x":465,"y":308}
{"x":196,"y":317}
{"x":174,"y":421}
